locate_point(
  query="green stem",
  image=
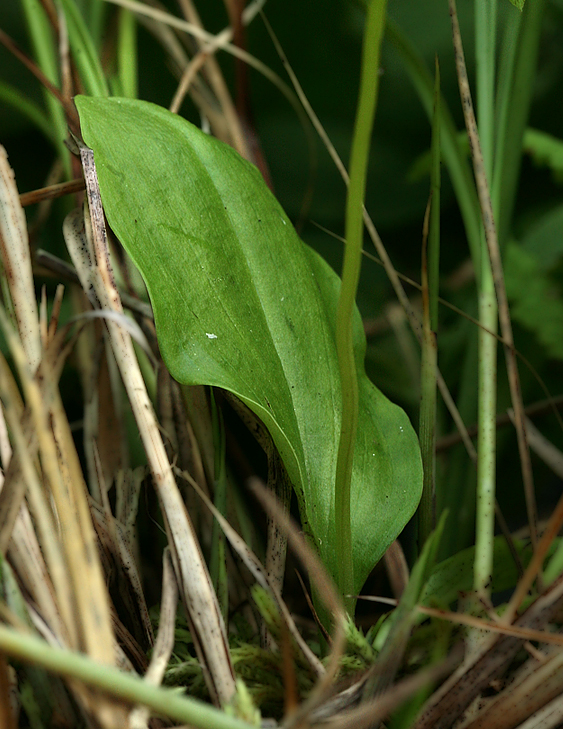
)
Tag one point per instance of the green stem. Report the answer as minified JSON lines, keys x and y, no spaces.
{"x":217,"y":566}
{"x":369,"y":83}
{"x":125,"y":686}
{"x":434,"y":232}
{"x":485,"y":48}
{"x":429,"y":363}
{"x":486,"y":446}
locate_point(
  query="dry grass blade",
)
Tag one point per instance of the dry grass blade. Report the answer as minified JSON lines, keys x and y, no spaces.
{"x":75,"y":566}
{"x":7,"y":717}
{"x":550,"y":717}
{"x":260,"y":575}
{"x":165,"y":640}
{"x":217,"y":83}
{"x":17,"y":263}
{"x":327,"y":592}
{"x":219,"y":41}
{"x":537,"y":685}
{"x":222,"y":38}
{"x":115,"y":539}
{"x":497,"y":270}
{"x":524,"y":584}
{"x":373,"y":712}
{"x":51,"y":192}
{"x":22,"y":470}
{"x":206,"y":624}
{"x":81,"y":589}
{"x":13,"y":485}
{"x":451,"y":700}
{"x":550,"y":454}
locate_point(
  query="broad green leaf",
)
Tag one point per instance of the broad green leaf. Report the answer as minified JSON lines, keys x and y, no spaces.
{"x":242,"y":304}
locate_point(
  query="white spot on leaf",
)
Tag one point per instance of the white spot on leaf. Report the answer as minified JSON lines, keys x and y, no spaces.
{"x":210,"y":336}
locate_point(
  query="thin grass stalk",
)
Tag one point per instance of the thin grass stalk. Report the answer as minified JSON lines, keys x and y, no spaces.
{"x":429,"y":350}
{"x":218,"y":565}
{"x":369,"y":84}
{"x":485,"y":64}
{"x":435,"y":185}
{"x":125,"y":686}
{"x":164,"y":644}
{"x":219,"y":86}
{"x":498,"y":275}
{"x":459,"y":498}
{"x":485,"y":49}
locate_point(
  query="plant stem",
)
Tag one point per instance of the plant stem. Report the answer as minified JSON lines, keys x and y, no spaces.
{"x":485,"y":42}
{"x":429,"y":363}
{"x":369,"y":84}
{"x":434,"y":231}
{"x":125,"y":686}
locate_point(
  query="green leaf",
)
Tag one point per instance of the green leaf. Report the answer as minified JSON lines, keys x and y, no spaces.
{"x":455,"y":575}
{"x":242,"y":304}
{"x":518,"y":4}
{"x":535,"y":298}
{"x":546,"y":151}
{"x":544,"y":239}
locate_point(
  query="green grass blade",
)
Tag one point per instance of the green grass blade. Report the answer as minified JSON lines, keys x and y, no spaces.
{"x":435,"y":183}
{"x":84,"y":51}
{"x":516,"y":83}
{"x":454,"y":158}
{"x":45,"y":51}
{"x":18,"y":101}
